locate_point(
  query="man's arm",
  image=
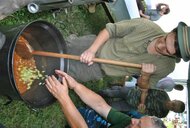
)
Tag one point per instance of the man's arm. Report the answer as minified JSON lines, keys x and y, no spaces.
{"x":146,"y":72}
{"x":141,"y":106}
{"x":60,"y":92}
{"x":144,"y":94}
{"x":71,"y":113}
{"x":89,"y":54}
{"x":93,"y":100}
{"x":89,"y":97}
{"x":143,"y":15}
{"x":143,"y":83}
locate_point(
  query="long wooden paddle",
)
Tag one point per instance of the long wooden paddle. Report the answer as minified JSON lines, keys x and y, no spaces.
{"x":25,"y":51}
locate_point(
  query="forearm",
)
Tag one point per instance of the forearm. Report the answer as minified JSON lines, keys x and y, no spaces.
{"x":143,"y":95}
{"x":73,"y":116}
{"x":93,"y":100}
{"x":143,"y":15}
{"x":102,"y":37}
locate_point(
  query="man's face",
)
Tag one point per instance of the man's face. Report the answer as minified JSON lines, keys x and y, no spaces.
{"x":175,"y":105}
{"x":166,"y":45}
{"x":163,"y":10}
{"x":144,"y":122}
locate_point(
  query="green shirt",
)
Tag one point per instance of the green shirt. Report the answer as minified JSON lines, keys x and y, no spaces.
{"x":128,"y":42}
{"x":118,"y":119}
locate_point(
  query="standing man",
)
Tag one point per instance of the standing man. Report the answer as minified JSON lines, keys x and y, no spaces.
{"x":152,"y":14}
{"x":151,"y":102}
{"x":136,"y":41}
{"x":154,"y":103}
{"x":96,"y":102}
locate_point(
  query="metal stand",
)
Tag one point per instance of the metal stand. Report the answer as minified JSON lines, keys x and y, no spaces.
{"x":42,"y":5}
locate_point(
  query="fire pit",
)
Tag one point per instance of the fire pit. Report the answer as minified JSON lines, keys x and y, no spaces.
{"x":24,"y":79}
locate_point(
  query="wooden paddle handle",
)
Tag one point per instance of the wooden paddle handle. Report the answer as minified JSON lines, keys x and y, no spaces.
{"x":99,"y":60}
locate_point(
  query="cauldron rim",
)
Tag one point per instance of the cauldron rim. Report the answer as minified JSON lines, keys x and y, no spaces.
{"x":15,"y":39}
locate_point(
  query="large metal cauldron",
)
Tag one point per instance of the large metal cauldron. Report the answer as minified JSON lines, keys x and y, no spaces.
{"x":41,"y":35}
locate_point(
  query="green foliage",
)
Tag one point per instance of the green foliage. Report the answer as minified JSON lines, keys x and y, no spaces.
{"x":19,"y":115}
{"x":23,"y":16}
{"x":75,"y":20}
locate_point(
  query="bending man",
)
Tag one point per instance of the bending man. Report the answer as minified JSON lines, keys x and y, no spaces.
{"x":96,"y":102}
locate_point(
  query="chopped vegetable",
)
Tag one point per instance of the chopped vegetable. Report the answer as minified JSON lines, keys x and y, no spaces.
{"x":28,"y":75}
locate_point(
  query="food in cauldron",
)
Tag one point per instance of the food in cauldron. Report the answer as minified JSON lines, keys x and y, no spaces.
{"x":25,"y":70}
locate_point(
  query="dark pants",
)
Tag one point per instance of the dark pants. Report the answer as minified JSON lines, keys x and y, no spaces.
{"x":80,"y":71}
{"x":115,"y":96}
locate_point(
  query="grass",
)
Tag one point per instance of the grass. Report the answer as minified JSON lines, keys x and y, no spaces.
{"x":75,"y":20}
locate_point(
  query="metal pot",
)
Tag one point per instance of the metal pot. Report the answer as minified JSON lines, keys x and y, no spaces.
{"x":42,"y":36}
